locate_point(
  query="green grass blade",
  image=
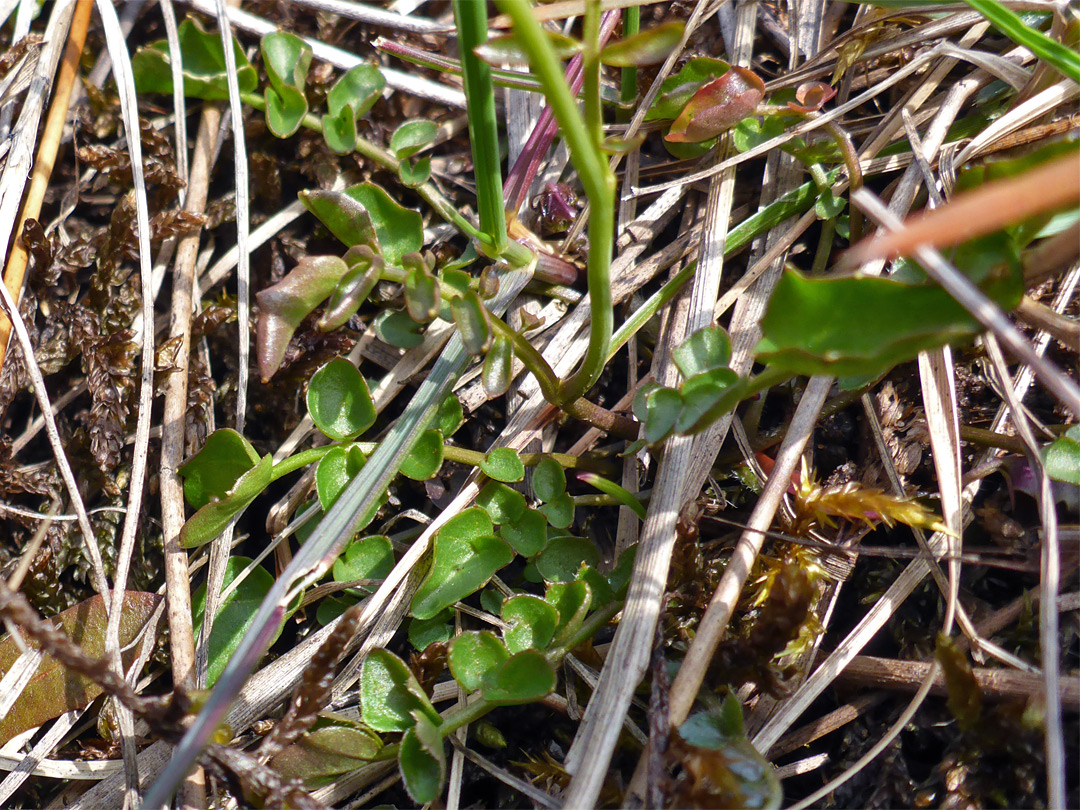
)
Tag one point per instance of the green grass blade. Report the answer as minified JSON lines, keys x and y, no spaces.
{"x":1048,"y":50}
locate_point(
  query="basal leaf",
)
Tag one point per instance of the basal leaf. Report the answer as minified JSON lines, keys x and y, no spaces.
{"x":284,"y":305}
{"x":426,"y":457}
{"x":1061,"y":459}
{"x":649,"y":47}
{"x":339,"y":401}
{"x":549,"y":479}
{"x":525,"y":677}
{"x":394,"y":326}
{"x":572,"y":600}
{"x":473,"y":655}
{"x":54,"y":689}
{"x":705,"y":350}
{"x":463,"y":561}
{"x":344,"y":216}
{"x":328,"y":750}
{"x":214,"y":470}
{"x":677,"y":90}
{"x":235,"y":613}
{"x":503,"y":464}
{"x":389,"y":694}
{"x":422,"y":761}
{"x":203,"y":57}
{"x":563,"y":558}
{"x":532,"y":623}
{"x":210,"y":520}
{"x":502,"y":503}
{"x":365,"y":270}
{"x":365,"y":558}
{"x":718,"y":106}
{"x":527,"y":534}
{"x":412,"y":136}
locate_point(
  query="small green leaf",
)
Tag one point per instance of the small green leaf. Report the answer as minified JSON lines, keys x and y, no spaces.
{"x":287,"y":59}
{"x":356,"y":91}
{"x":466,"y":556}
{"x":649,"y":47}
{"x":1061,"y":459}
{"x":211,"y":519}
{"x":471,"y":317}
{"x":335,"y":746}
{"x":339,"y":132}
{"x":498,"y":367}
{"x":235,"y":613}
{"x":339,"y":401}
{"x":425,"y":458}
{"x":549,"y":479}
{"x":572,"y":600}
{"x":412,"y":136}
{"x":284,"y":305}
{"x":421,"y":293}
{"x":394,"y":326}
{"x":438,"y":629}
{"x":344,"y":216}
{"x":54,"y":689}
{"x":422,"y":761}
{"x":658,"y":407}
{"x":203,"y":57}
{"x":677,"y":90}
{"x":400,"y":229}
{"x":829,"y":206}
{"x":473,"y":655}
{"x":527,"y":534}
{"x":336,"y":469}
{"x":706,"y":397}
{"x":389,"y":693}
{"x":619,"y":578}
{"x":365,"y":558}
{"x":600,"y":590}
{"x":752,"y":132}
{"x":563,"y":558}
{"x":212,"y":472}
{"x":415,"y":174}
{"x":503,"y":464}
{"x":532,"y":623}
{"x":705,"y":350}
{"x":718,"y":106}
{"x":525,"y":677}
{"x":365,"y":270}
{"x":505,"y":505}
{"x":449,"y":417}
{"x":285,"y":110}
{"x":559,"y":511}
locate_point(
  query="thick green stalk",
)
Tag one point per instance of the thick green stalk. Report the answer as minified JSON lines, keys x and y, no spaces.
{"x":599,"y":184}
{"x":471,"y":19}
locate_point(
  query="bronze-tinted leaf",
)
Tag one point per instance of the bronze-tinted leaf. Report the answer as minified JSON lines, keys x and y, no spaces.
{"x":811,"y":97}
{"x":718,"y":106}
{"x":54,"y":690}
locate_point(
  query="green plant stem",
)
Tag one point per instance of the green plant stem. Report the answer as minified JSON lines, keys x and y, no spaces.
{"x":597,"y":179}
{"x":533,"y":360}
{"x":299,"y":461}
{"x":628,"y":77}
{"x":653,"y":305}
{"x":461,"y":455}
{"x":623,"y":496}
{"x":824,"y":248}
{"x":471,"y":20}
{"x":515,"y":253}
{"x":590,"y":65}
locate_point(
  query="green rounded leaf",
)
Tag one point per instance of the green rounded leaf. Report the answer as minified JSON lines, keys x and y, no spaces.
{"x":211,"y":520}
{"x":422,"y":761}
{"x":677,"y":90}
{"x":400,"y":229}
{"x":1062,"y":458}
{"x":235,"y":614}
{"x":365,"y":558}
{"x":549,"y":479}
{"x":212,"y":472}
{"x":527,"y":534}
{"x":525,"y":677}
{"x":336,"y":469}
{"x":415,"y":174}
{"x":334,"y":747}
{"x":425,"y":458}
{"x":285,"y":110}
{"x":438,"y":629}
{"x":204,"y":70}
{"x":466,"y":556}
{"x":412,"y":136}
{"x":563,"y":558}
{"x":706,"y":397}
{"x":532,"y":623}
{"x":649,"y":47}
{"x":421,"y":294}
{"x":662,"y":409}
{"x":471,"y":317}
{"x":394,"y":326}
{"x":287,"y":58}
{"x":503,"y":504}
{"x":339,"y":132}
{"x":473,"y":655}
{"x":572,"y":600}
{"x":339,"y":401}
{"x":389,"y":693}
{"x":449,"y":417}
{"x":355,"y":92}
{"x":503,"y":464}
{"x":498,"y":367}
{"x":705,"y":350}
{"x":559,"y":511}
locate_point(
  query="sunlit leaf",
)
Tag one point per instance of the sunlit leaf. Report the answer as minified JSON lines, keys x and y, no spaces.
{"x":344,"y":216}
{"x":718,"y":106}
{"x":210,"y":520}
{"x":439,"y":628}
{"x":527,"y":534}
{"x":336,"y":745}
{"x":422,"y":761}
{"x":54,"y":689}
{"x":498,"y":367}
{"x":471,"y":317}
{"x":215,"y":469}
{"x":351,"y":96}
{"x":284,"y":305}
{"x":287,"y":58}
{"x":532,"y":623}
{"x":706,"y":397}
{"x":559,"y":511}
{"x":466,"y":555}
{"x":503,"y":464}
{"x":572,"y":600}
{"x":1061,"y":459}
{"x":506,"y":50}
{"x":389,"y":693}
{"x":415,"y":174}
{"x":473,"y":655}
{"x":334,"y":472}
{"x":235,"y":613}
{"x":394,"y":326}
{"x":425,"y":458}
{"x":677,"y":90}
{"x":339,"y":401}
{"x":412,"y":136}
{"x":503,"y":504}
{"x":549,"y":479}
{"x":365,"y":269}
{"x":449,"y":417}
{"x":649,"y":47}
{"x":203,"y":57}
{"x":525,"y":677}
{"x":563,"y":558}
{"x":705,"y":350}
{"x":365,"y":558}
{"x":811,"y":97}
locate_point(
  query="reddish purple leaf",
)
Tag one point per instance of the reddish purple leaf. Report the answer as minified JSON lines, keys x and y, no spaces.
{"x":811,"y":97}
{"x":718,"y":106}
{"x":54,"y":690}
